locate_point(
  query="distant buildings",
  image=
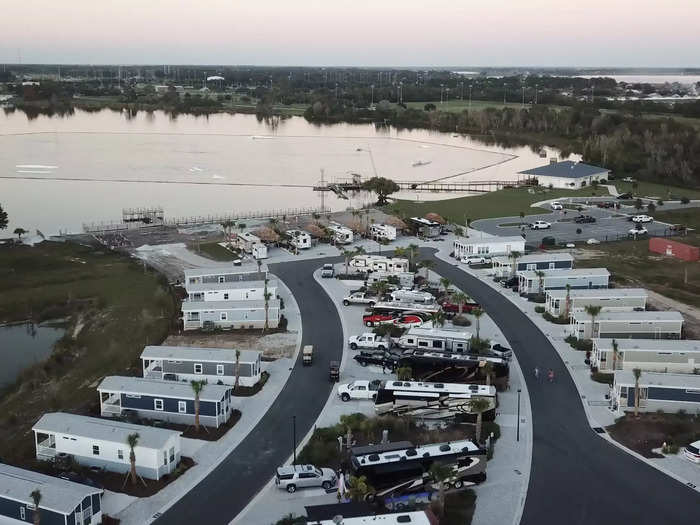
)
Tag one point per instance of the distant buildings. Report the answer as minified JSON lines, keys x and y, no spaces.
{"x":567,"y":174}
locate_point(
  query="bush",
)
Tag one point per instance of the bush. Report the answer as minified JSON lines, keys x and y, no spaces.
{"x":388,"y":329}
{"x":579,"y":344}
{"x":548,"y":241}
{"x":539,"y":309}
{"x":562,"y":319}
{"x":461,"y":320}
{"x":685,"y":200}
{"x":670,"y":448}
{"x":578,"y":231}
{"x":601,"y":377}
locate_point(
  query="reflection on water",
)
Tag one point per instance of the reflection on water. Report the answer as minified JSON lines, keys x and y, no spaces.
{"x":22,"y":345}
{"x":111,"y":160}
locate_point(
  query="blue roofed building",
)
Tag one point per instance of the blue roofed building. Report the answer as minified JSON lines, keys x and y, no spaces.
{"x":567,"y":174}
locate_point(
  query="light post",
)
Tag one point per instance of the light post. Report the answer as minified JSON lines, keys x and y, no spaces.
{"x":447,"y":95}
{"x":470,"y":97}
{"x":461,"y":90}
{"x":523,"y":97}
{"x":504,"y":94}
{"x":537,"y":88}
{"x":294,"y":439}
{"x":517,"y":432}
{"x":441,"y":88}
{"x":371,"y":104}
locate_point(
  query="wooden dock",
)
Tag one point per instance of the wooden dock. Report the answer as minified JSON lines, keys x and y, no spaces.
{"x":479,"y":186}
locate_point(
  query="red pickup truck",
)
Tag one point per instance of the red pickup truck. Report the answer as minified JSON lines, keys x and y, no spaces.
{"x":377,"y":319}
{"x":454,"y":308}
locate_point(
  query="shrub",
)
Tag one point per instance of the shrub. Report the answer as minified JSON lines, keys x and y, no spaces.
{"x":578,"y":231}
{"x":562,"y":319}
{"x":461,"y":320}
{"x":579,"y":344}
{"x":685,"y":200}
{"x":388,"y":329}
{"x":669,"y":448}
{"x":539,"y":309}
{"x":548,"y":241}
{"x":660,"y":202}
{"x":282,"y":323}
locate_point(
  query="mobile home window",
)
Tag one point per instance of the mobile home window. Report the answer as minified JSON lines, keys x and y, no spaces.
{"x":22,"y":513}
{"x":198,"y":368}
{"x":158,"y":404}
{"x":423,"y":343}
{"x":120,"y":454}
{"x":182,"y":407}
{"x":221,"y":278}
{"x":172,"y":454}
{"x":219,"y":370}
{"x":165,"y":457}
{"x":95,"y":450}
{"x":437,"y":344}
{"x":224,"y":316}
{"x":225,"y":296}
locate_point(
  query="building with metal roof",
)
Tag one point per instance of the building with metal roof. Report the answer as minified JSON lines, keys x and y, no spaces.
{"x":567,"y":174}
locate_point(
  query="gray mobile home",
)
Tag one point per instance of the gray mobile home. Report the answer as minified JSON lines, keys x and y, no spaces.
{"x":230,"y":314}
{"x":530,"y":282}
{"x":628,"y":325}
{"x":95,"y":442}
{"x":650,"y":355}
{"x":609,"y":300}
{"x":164,"y":400}
{"x":62,"y":502}
{"x":231,"y":291}
{"x":216,"y":365}
{"x":226,"y":273}
{"x":657,"y":391}
{"x":503,"y":266}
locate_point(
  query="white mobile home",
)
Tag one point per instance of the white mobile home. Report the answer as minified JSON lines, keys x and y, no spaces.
{"x":379,"y":263}
{"x":531,"y":283}
{"x":95,"y":442}
{"x":628,"y":325}
{"x":657,"y":391}
{"x":216,"y":365}
{"x":609,"y":299}
{"x":385,"y":232}
{"x":231,"y":291}
{"x":230,"y":314}
{"x":503,"y":266}
{"x":164,"y":400}
{"x":649,"y":355}
{"x":300,"y":239}
{"x":464,"y":247}
{"x":567,"y":174}
{"x":436,"y":339}
{"x":252,"y":244}
{"x":340,"y":234}
{"x":225,"y":274}
{"x":62,"y":502}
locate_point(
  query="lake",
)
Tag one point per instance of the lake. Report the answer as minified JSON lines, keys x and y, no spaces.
{"x":58,"y":172}
{"x":22,"y":345}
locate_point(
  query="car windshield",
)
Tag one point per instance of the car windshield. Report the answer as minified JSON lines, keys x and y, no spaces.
{"x":318,"y":472}
{"x":693,"y":449}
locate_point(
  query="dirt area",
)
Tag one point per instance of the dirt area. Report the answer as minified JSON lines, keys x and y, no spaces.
{"x":651,"y":431}
{"x":691,"y":327}
{"x":273,"y":346}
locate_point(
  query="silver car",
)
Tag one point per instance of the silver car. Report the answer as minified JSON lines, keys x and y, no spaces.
{"x":292,"y":477}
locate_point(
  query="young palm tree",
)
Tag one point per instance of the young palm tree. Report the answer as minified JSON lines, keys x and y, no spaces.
{"x":267,"y":297}
{"x":132,"y":440}
{"x":477,"y":313}
{"x":593,"y":311}
{"x":479,"y":405}
{"x":615,"y":354}
{"x":637,"y":374}
{"x":445,"y":282}
{"x":405,"y":373}
{"x":198,"y":386}
{"x":567,"y":307}
{"x":488,"y":371}
{"x":440,"y":474}
{"x":459,"y":231}
{"x":400,"y":252}
{"x":514,"y":256}
{"x":460,"y":298}
{"x":238,"y":369}
{"x":36,"y":499}
{"x":348,"y":254}
{"x":437,"y":318}
{"x":412,"y":251}
{"x":358,"y":488}
{"x":427,"y":265}
{"x":379,"y":288}
{"x":540,"y":276}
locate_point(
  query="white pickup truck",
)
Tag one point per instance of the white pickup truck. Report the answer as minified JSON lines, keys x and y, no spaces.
{"x":359,"y":389}
{"x":360,"y":298}
{"x":369,"y":340}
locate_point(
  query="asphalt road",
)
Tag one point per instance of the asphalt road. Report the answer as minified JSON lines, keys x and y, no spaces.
{"x":219,"y":497}
{"x":576,"y":476}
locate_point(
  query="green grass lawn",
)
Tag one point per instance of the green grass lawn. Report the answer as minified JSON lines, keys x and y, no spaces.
{"x":212,"y":250}
{"x":689,"y":217}
{"x":501,"y":203}
{"x":112,"y":309}
{"x":457,"y":106}
{"x":652,"y":189}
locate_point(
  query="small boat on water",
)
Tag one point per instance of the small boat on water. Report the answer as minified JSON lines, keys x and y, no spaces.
{"x":419,"y":163}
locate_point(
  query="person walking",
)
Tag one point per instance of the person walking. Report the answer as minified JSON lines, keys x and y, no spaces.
{"x":550,"y":375}
{"x":537,"y":373}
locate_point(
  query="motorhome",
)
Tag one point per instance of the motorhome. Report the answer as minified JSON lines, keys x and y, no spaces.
{"x":432,"y":400}
{"x":395,"y":306}
{"x":382,"y":232}
{"x":378,"y":263}
{"x":252,"y":244}
{"x":405,"y":279}
{"x":299,"y":239}
{"x":340,"y":234}
{"x":412,"y":296}
{"x":424,"y":227}
{"x":492,"y":245}
{"x":436,"y":339}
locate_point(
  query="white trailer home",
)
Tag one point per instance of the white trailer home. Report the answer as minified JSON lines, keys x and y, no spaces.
{"x":436,"y":339}
{"x":385,"y":232}
{"x":530,"y":282}
{"x":406,"y":279}
{"x":464,"y":247}
{"x":340,"y":234}
{"x":657,"y":391}
{"x":300,"y":239}
{"x":95,"y":442}
{"x":216,"y":365}
{"x":252,"y":244}
{"x":649,"y":355}
{"x":225,"y":274}
{"x":503,"y":266}
{"x":231,"y":291}
{"x":379,"y":263}
{"x":628,"y":325}
{"x":230,"y":314}
{"x":609,"y":299}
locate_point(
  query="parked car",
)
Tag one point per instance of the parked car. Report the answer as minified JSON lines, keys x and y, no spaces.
{"x":408,"y":320}
{"x":475,"y":259}
{"x":327,"y":271}
{"x":386,"y":359}
{"x":360,"y":389}
{"x":454,"y":308}
{"x":292,"y":477}
{"x":692,"y":452}
{"x":592,"y":241}
{"x":624,"y":196}
{"x":369,"y":340}
{"x":677,"y":227}
{"x":628,"y":179}
{"x":501,"y":351}
{"x":584,"y":219}
{"x":377,"y":319}
{"x":360,"y":298}
{"x":638,"y":230}
{"x":510,"y":282}
{"x":556,"y":206}
{"x":642,"y":219}
{"x":540,"y":225}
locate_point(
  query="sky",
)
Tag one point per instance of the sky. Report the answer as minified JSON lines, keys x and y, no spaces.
{"x":612,"y":33}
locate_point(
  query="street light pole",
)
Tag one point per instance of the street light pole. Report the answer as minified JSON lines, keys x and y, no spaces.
{"x":294,"y":437}
{"x":517,"y":435}
{"x":470,"y":97}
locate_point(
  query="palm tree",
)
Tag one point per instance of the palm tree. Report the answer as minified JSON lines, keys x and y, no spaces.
{"x":540,"y":275}
{"x":427,"y":265}
{"x":479,"y":405}
{"x":593,"y":311}
{"x":379,"y":288}
{"x":440,"y":473}
{"x":412,"y":251}
{"x":437,"y":318}
{"x":19,"y":232}
{"x":267,"y":297}
{"x":238,"y":369}
{"x":477,"y":313}
{"x":445,"y":282}
{"x":567,"y":307}
{"x":197,"y":387}
{"x":405,"y":373}
{"x":488,"y":372}
{"x":459,"y":231}
{"x":36,"y":499}
{"x":615,"y":354}
{"x":348,"y":254}
{"x":522,"y":216}
{"x":637,"y":374}
{"x":358,"y":488}
{"x":400,"y":252}
{"x":132,"y":440}
{"x":514,"y":255}
{"x":460,"y":298}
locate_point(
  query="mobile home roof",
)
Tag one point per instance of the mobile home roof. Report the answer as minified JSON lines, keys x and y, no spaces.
{"x":663,"y":379}
{"x":174,"y":389}
{"x":427,"y":331}
{"x":491,"y":240}
{"x":576,"y":272}
{"x":230,"y":285}
{"x":103,"y":429}
{"x":599,"y":292}
{"x":198,"y":306}
{"x":629,"y":316}
{"x":228,"y":269}
{"x":650,"y":345}
{"x":193,"y":353}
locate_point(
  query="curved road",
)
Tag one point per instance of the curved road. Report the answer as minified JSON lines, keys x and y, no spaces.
{"x":576,"y":477}
{"x":219,"y":497}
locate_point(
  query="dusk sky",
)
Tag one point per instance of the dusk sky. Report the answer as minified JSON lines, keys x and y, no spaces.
{"x":353,"y":32}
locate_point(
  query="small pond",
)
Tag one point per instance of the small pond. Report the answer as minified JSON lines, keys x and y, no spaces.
{"x":22,"y":345}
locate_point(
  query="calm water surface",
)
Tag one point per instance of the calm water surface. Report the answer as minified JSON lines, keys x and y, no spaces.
{"x":118,"y":161}
{"x":22,"y":345}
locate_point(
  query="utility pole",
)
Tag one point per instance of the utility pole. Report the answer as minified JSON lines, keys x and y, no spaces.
{"x":371,"y":104}
{"x":504,"y":94}
{"x":441,"y":86}
{"x":523,"y":106}
{"x":470,"y":97}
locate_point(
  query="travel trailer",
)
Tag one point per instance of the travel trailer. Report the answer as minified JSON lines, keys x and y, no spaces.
{"x":340,"y":234}
{"x":382,"y":232}
{"x":435,"y":339}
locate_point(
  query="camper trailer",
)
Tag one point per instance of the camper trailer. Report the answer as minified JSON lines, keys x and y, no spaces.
{"x":299,"y":239}
{"x":382,"y":232}
{"x":340,"y":234}
{"x":412,"y":296}
{"x":252,"y":244}
{"x":405,"y":279}
{"x":378,"y":263}
{"x":436,"y":339}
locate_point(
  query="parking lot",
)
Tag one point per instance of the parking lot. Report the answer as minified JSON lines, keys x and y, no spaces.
{"x":610,"y":225}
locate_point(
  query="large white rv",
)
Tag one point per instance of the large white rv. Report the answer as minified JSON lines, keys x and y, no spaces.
{"x":301,"y":240}
{"x":252,"y":244}
{"x":437,"y":339}
{"x":412,"y":296}
{"x":340,"y":234}
{"x":405,"y":279}
{"x":378,"y":263}
{"x":382,"y":231}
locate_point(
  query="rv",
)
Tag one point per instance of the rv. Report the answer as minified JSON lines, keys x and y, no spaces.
{"x":394,"y":306}
{"x":378,"y":263}
{"x":412,"y":296}
{"x":432,"y":400}
{"x":405,"y":279}
{"x":251,"y":244}
{"x":299,"y":239}
{"x":340,"y":234}
{"x":436,"y":360}
{"x":382,"y":231}
{"x":424,"y":227}
{"x":436,"y":339}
